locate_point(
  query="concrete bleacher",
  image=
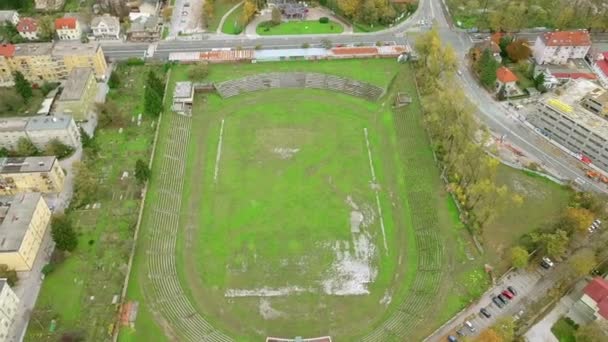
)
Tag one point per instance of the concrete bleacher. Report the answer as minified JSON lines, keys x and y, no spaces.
{"x":299,"y":80}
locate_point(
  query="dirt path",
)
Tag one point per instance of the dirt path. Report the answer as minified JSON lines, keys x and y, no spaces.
{"x":221,"y":24}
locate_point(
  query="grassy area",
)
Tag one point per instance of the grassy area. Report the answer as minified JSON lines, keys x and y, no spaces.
{"x":564,"y":329}
{"x":543,"y":200}
{"x":11,"y":103}
{"x":165,"y":32}
{"x":220,"y":8}
{"x":232,"y":24}
{"x":299,"y":27}
{"x":78,"y":294}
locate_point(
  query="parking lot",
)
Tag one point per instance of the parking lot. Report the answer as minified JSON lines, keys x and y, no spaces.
{"x":186,"y":18}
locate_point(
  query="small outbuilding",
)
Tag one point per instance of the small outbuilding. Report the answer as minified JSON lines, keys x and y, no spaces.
{"x":183,"y":96}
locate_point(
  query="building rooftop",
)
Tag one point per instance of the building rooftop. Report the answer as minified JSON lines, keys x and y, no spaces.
{"x":144,"y":23}
{"x":33,"y":49}
{"x":26,"y":164}
{"x":12,"y":124}
{"x":15,"y":215}
{"x":505,"y":75}
{"x":67,"y":48}
{"x":183,"y":90}
{"x":567,"y":38}
{"x":7,"y":15}
{"x":65,"y":23}
{"x":602,"y":63}
{"x":76,"y":84}
{"x":597,"y":289}
{"x":109,"y":20}
{"x":43,"y":123}
{"x":7,"y":50}
{"x":27,"y":25}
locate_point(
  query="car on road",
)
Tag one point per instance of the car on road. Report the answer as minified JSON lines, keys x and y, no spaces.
{"x":497,"y":302}
{"x":507,"y":294}
{"x":546,"y":263}
{"x":485,"y":313}
{"x":452,"y":339}
{"x":470,"y":326}
{"x":503,"y":299}
{"x":512,"y":290}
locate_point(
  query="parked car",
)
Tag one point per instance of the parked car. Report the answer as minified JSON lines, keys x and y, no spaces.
{"x":497,"y":302}
{"x":507,"y":294}
{"x":512,"y":290}
{"x":452,"y":339}
{"x":503,"y":299}
{"x":546,"y":263}
{"x":485,"y":313}
{"x":469,"y":325}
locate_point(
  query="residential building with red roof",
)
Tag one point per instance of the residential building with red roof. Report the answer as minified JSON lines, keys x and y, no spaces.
{"x":68,"y":28}
{"x":595,"y":299}
{"x":560,"y":46}
{"x":505,"y":77}
{"x":601,"y":69}
{"x":28,"y":28}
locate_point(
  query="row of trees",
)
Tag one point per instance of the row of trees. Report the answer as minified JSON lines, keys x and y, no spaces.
{"x":153,"y":94}
{"x":370,"y":12}
{"x":25,"y":148}
{"x":457,"y":138}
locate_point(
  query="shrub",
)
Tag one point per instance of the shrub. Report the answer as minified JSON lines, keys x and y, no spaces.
{"x":134,"y":61}
{"x":324,"y":20}
{"x":305,"y":46}
{"x":48,"y":269}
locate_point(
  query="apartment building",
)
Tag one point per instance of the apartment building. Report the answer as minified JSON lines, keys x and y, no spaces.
{"x":8,"y":308}
{"x":560,"y":46}
{"x":68,"y":28}
{"x":30,"y":174}
{"x":35,"y":62}
{"x":71,"y":55}
{"x":567,"y":120}
{"x":40,"y":130}
{"x":78,"y":94}
{"x":24,"y":219}
{"x":11,"y":130}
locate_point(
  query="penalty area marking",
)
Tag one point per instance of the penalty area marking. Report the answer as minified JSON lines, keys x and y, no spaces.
{"x":371,"y":167}
{"x":219,"y":153}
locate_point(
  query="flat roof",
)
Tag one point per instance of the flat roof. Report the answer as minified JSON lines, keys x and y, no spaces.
{"x":13,"y":124}
{"x":44,"y":123}
{"x":26,"y":164}
{"x":67,"y":48}
{"x":33,"y":49}
{"x":260,"y":54}
{"x":16,"y":214}
{"x":76,"y":84}
{"x":183,"y":90}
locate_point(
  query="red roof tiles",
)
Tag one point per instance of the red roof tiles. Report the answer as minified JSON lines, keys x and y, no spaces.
{"x":603,"y":64}
{"x":7,"y":50}
{"x":354,"y":51}
{"x":65,"y":23}
{"x":574,"y":75}
{"x":567,"y":38}
{"x":504,"y":75}
{"x":597,"y":289}
{"x":27,"y":25}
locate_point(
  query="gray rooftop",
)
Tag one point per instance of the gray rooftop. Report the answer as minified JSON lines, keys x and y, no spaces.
{"x":76,"y":84}
{"x":66,"y":48}
{"x":144,"y":23}
{"x":33,"y":49}
{"x":26,"y":164}
{"x":183,"y":90}
{"x":47,"y":123}
{"x":15,"y":214}
{"x":6,"y":16}
{"x":12,"y":124}
{"x":109,"y":20}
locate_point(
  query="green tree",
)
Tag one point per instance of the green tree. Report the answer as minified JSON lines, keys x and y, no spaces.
{"x":579,"y":219}
{"x":582,"y":262}
{"x":46,"y":28}
{"x":198,"y":71}
{"x":86,"y":185}
{"x":519,"y":257}
{"x":591,"y":332}
{"x":349,"y":7}
{"x":488,"y":67}
{"x":63,"y":234}
{"x":26,"y":148}
{"x":23,"y":86}
{"x":503,"y":43}
{"x":142,"y":171}
{"x":249,"y":10}
{"x":505,"y":328}
{"x":58,"y":149}
{"x":275,"y":16}
{"x":47,"y":87}
{"x":554,"y":244}
{"x":114,"y":80}
{"x":368,"y":13}
{"x":9,"y":274}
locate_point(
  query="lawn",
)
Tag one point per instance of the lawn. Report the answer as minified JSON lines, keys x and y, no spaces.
{"x":232,"y":24}
{"x":220,"y":8}
{"x":11,"y":103}
{"x":277,"y":216}
{"x":564,"y":329}
{"x":78,"y":293}
{"x":299,"y":27}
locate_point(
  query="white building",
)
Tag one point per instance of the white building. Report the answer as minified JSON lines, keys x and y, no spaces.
{"x":68,"y":28}
{"x":8,"y":309}
{"x":557,"y":47}
{"x":11,"y":16}
{"x":28,"y":28}
{"x":40,"y":130}
{"x":106,"y":27}
{"x":507,"y":79}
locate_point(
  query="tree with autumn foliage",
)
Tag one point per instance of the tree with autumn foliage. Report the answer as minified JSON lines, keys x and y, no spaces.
{"x":249,"y":10}
{"x":519,"y":50}
{"x":489,"y":335}
{"x":578,"y":219}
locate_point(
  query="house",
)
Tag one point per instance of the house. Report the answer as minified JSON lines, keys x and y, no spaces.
{"x":78,"y":94}
{"x":600,"y":67}
{"x":68,"y":28}
{"x":183,"y":96}
{"x":105,"y":27}
{"x":24,"y":220}
{"x":28,"y":28}
{"x":30,"y":174}
{"x":507,"y":79}
{"x":560,"y":46}
{"x":594,"y":301}
{"x":550,"y":81}
{"x":486,"y":44}
{"x":145,"y":29}
{"x":573,"y":69}
{"x":8,"y":308}
{"x":10,"y":16}
{"x":41,"y":130}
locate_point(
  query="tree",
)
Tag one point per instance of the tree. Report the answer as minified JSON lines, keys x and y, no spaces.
{"x":579,"y":218}
{"x":47,"y":87}
{"x":502,"y":93}
{"x":142,"y":171}
{"x":489,"y":335}
{"x":591,"y":332}
{"x":519,"y":257}
{"x":26,"y":148}
{"x":488,"y":66}
{"x":505,"y":328}
{"x":249,"y":9}
{"x":114,"y":80}
{"x":86,"y":186}
{"x":554,"y":244}
{"x":539,"y":80}
{"x":153,"y":95}
{"x":63,"y":234}
{"x":582,"y":262}
{"x":368,"y":13}
{"x":10,"y":101}
{"x":58,"y":149}
{"x":167,"y":13}
{"x":519,"y":50}
{"x":275,"y":16}
{"x":198,"y":71}
{"x":109,"y":114}
{"x":565,"y":18}
{"x":349,"y":7}
{"x":208,"y":10}
{"x":46,"y":28}
{"x":23,"y":86}
{"x":9,"y":274}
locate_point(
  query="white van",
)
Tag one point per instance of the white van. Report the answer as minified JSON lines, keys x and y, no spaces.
{"x":469,"y":325}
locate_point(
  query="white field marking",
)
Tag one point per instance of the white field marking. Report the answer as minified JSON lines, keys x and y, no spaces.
{"x":219,"y":153}
{"x":371,"y":167}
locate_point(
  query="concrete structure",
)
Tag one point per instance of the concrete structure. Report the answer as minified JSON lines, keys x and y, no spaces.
{"x":8,"y":308}
{"x":183,"y":96}
{"x":105,"y":27}
{"x":40,"y":130}
{"x":68,"y":28}
{"x":78,"y":94}
{"x":24,"y":220}
{"x":28,"y":28}
{"x":30,"y":174}
{"x":560,"y":46}
{"x":10,"y":16}
{"x":566,"y":121}
{"x":145,"y":29}
{"x":506,"y":78}
{"x":70,"y":55}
